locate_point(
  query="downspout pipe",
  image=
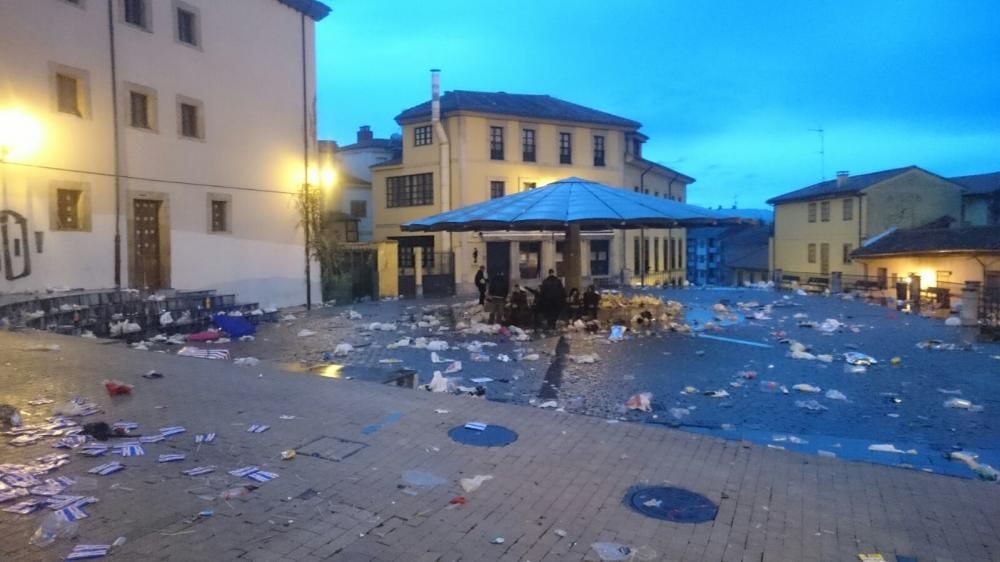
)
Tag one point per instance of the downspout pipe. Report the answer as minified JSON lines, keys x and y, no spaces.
{"x":305,"y":166}
{"x":642,"y":231}
{"x":117,"y":147}
{"x":444,"y":148}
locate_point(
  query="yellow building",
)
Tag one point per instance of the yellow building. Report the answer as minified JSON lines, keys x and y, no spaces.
{"x":816,"y":228}
{"x":466,"y":147}
{"x":942,"y":257}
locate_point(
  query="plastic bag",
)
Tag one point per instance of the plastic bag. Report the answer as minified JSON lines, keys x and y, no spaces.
{"x":342,"y":349}
{"x":54,"y":526}
{"x":473,"y":484}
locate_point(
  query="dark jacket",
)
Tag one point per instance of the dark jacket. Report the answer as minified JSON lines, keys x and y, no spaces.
{"x":498,"y":286}
{"x":553,"y":293}
{"x":481,"y":280}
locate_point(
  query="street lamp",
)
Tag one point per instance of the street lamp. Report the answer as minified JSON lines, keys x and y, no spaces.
{"x":20,"y":134}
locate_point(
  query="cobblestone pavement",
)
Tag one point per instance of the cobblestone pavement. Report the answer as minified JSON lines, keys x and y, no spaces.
{"x":565,"y":472}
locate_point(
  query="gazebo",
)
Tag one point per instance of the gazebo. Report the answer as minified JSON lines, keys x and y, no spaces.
{"x":570,"y":205}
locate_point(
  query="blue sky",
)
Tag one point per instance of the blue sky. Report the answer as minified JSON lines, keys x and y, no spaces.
{"x":726,"y":91}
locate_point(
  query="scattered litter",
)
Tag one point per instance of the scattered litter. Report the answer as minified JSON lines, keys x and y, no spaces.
{"x":441,"y":411}
{"x":258,"y":428}
{"x":457,"y":500}
{"x":835,"y":395}
{"x":889,"y":448}
{"x":679,"y":413}
{"x":498,"y":540}
{"x":198,"y":471}
{"x":173,"y":430}
{"x":855,"y":369}
{"x":455,"y":367}
{"x":770,"y":386}
{"x":115,"y":387}
{"x":895,"y":361}
{"x":953,"y":321}
{"x":190,"y":351}
{"x":470,"y":485}
{"x":856,"y":358}
{"x":559,"y":532}
{"x":721,"y":393}
{"x":585,"y":358}
{"x":549,"y":404}
{"x":806,"y":388}
{"x":286,"y":417}
{"x":481,"y":380}
{"x":303,"y":333}
{"x":246,"y":361}
{"x":288,"y":454}
{"x":342,"y":349}
{"x":530,"y":357}
{"x":946,"y":391}
{"x":107,"y":468}
{"x":962,"y":404}
{"x":85,"y":551}
{"x":153,"y":375}
{"x":810,"y":405}
{"x":171,"y":457}
{"x":617,"y":333}
{"x":476,"y":426}
{"x":871,"y":557}
{"x":611,"y":552}
{"x":640,"y":402}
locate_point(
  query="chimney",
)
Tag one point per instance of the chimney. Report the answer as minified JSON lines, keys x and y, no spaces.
{"x":435,"y":95}
{"x":842,"y":178}
{"x":365,"y":133}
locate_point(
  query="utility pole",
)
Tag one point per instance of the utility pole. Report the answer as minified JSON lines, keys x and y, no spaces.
{"x":822,"y":152}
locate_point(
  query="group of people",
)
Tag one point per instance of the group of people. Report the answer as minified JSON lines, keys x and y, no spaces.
{"x":550,"y":300}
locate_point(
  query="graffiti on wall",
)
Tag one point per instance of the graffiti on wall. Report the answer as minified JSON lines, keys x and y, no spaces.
{"x":14,"y":247}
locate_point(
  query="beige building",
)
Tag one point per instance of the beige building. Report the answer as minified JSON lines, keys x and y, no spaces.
{"x":486,"y":145}
{"x":817,"y":228}
{"x":140,"y":149}
{"x":981,"y":199}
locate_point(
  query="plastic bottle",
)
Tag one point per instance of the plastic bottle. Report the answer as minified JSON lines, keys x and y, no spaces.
{"x":53,"y":527}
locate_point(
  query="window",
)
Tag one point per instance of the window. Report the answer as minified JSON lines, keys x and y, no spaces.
{"x":598,"y":150}
{"x":191,"y":119}
{"x":68,"y":94}
{"x":811,"y":253}
{"x":528,"y":145}
{"x":496,"y":143}
{"x":139,"y":110}
{"x":812,"y":212}
{"x":637,"y":148}
{"x":422,"y":136}
{"x":635,"y":254}
{"x":529,"y":185}
{"x":848,"y":209}
{"x":188,"y":30}
{"x":824,"y":211}
{"x":68,"y":209}
{"x":359,"y":209}
{"x":530,"y":260}
{"x":406,"y":255}
{"x":847,"y":251}
{"x":565,"y":148}
{"x":496,"y":189}
{"x":136,"y":13}
{"x":220,"y":221}
{"x":410,"y":191}
{"x":599,"y":264}
{"x":69,"y":206}
{"x":636,"y":189}
{"x":351,"y":231}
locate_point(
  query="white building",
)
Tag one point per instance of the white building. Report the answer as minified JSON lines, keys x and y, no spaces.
{"x":142,"y":149}
{"x":352,"y":193}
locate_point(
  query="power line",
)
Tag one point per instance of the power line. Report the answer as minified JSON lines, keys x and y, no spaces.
{"x":153,"y":180}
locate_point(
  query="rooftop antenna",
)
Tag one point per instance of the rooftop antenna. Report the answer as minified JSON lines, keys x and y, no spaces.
{"x":822,"y":152}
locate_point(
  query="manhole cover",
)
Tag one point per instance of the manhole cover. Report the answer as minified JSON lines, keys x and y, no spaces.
{"x":671,"y":504}
{"x":492,"y":436}
{"x":330,"y":448}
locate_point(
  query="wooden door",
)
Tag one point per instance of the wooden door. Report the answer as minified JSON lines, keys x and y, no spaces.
{"x":146,"y":241}
{"x":824,"y":258}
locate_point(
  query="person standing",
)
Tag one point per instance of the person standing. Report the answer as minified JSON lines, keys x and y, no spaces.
{"x":498,"y":297}
{"x":482,"y":283}
{"x":553,"y":299}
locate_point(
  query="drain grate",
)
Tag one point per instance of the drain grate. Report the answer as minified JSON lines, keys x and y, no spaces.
{"x":671,"y":504}
{"x":330,"y":448}
{"x":492,"y":436}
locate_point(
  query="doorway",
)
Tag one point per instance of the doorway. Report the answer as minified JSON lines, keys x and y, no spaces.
{"x":824,"y":258}
{"x":149,"y":244}
{"x":498,"y":258}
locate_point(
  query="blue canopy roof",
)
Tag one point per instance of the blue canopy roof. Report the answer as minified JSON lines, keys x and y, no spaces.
{"x":591,"y":205}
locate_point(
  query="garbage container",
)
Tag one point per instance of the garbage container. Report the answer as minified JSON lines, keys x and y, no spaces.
{"x":901,"y":291}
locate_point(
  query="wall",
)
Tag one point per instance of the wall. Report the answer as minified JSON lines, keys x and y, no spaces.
{"x":251,"y":151}
{"x":793,"y":233}
{"x":963,"y":267}
{"x":909,"y":200}
{"x":472,"y":170}
{"x":357,"y":161}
